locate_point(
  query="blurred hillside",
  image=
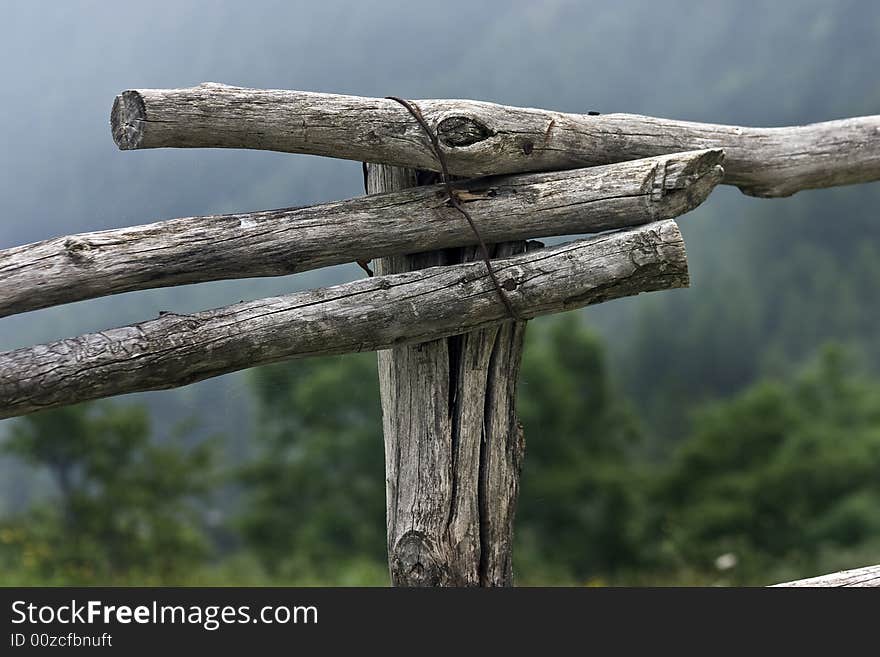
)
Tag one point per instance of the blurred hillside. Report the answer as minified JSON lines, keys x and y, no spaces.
{"x":772,"y":280}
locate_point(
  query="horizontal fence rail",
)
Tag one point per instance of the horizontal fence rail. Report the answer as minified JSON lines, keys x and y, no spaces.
{"x":278,"y":242}
{"x":367,"y":314}
{"x":868,"y":576}
{"x":480,"y":138}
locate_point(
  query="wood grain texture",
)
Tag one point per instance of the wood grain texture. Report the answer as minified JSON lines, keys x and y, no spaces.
{"x":868,"y":576}
{"x":482,"y":138}
{"x":369,"y":314}
{"x":453,"y":443}
{"x":278,"y":242}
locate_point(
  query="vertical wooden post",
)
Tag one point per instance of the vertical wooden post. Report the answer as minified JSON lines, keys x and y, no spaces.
{"x":453,"y":443}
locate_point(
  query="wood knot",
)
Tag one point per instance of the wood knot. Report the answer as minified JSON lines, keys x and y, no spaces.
{"x":78,"y":250}
{"x":458,"y":131}
{"x":646,"y":251}
{"x":413,"y":562}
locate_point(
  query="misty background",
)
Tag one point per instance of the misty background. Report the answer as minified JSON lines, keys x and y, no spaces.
{"x":774,"y":282}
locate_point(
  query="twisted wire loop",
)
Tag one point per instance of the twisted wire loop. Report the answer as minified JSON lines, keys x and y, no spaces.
{"x":446,"y":179}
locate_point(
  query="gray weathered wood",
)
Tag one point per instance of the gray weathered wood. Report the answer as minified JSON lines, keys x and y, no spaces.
{"x":368,"y":314}
{"x":278,"y":242}
{"x":453,"y":443}
{"x":868,"y":576}
{"x":484,"y":138}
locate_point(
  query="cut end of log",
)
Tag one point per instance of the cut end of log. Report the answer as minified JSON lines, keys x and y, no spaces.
{"x":127,"y":119}
{"x":677,"y":254}
{"x":701,"y":176}
{"x":706,"y":161}
{"x":694,"y":169}
{"x":681,"y":181}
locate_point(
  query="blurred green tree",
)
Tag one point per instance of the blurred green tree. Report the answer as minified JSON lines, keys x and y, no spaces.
{"x":126,"y":507}
{"x":780,"y":480}
{"x":314,"y":496}
{"x":578,"y":509}
{"x":779,"y":476}
{"x":314,"y":499}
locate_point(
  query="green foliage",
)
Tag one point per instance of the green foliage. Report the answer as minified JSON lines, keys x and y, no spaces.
{"x":776,"y":482}
{"x":124,"y":506}
{"x":782,"y":473}
{"x":314,"y":497}
{"x":578,"y":503}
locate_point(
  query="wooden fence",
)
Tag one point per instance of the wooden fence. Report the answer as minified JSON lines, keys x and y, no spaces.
{"x":449,"y":351}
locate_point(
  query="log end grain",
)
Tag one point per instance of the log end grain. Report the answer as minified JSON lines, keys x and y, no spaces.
{"x":687,"y":179}
{"x":127,"y":120}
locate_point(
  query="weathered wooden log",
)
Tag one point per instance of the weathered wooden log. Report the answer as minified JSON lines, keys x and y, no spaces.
{"x":278,"y":242}
{"x":868,"y":576}
{"x":453,"y":442}
{"x":481,"y":138}
{"x":368,"y":314}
